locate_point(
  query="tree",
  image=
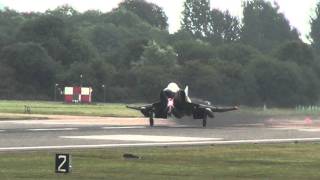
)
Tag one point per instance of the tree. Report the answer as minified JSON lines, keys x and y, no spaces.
{"x":279,"y":83}
{"x":296,"y":51}
{"x":149,"y":12}
{"x":155,"y":55}
{"x":35,"y":68}
{"x":315,"y":28}
{"x":235,"y":84}
{"x":190,"y":50}
{"x":196,"y":17}
{"x":149,"y":80}
{"x":212,"y":25}
{"x":203,"y":79}
{"x":62,"y":43}
{"x":108,"y":39}
{"x":237,"y":53}
{"x":223,"y":27}
{"x":264,"y":27}
{"x":10,"y":21}
{"x":63,"y":11}
{"x":50,"y":32}
{"x":180,"y":35}
{"x":232,"y":28}
{"x":124,"y":37}
{"x":8,"y":83}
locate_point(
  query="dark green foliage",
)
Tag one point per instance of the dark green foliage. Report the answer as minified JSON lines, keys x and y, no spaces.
{"x":63,"y":11}
{"x":196,"y":17}
{"x":193,"y":50}
{"x":155,"y":55}
{"x":296,"y":51}
{"x":211,"y":25}
{"x":237,"y":52}
{"x":223,"y":27}
{"x":149,"y":12}
{"x":277,"y":79}
{"x":264,"y":26}
{"x":129,"y":54}
{"x":34,"y":68}
{"x":8,"y":84}
{"x":315,"y":29}
{"x":10,"y":21}
{"x":150,"y":80}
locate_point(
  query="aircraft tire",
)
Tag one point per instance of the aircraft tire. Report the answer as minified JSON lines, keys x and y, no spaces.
{"x":204,"y":121}
{"x":151,"y":120}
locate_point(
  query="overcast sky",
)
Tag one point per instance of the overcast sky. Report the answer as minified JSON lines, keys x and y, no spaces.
{"x":297,"y":11}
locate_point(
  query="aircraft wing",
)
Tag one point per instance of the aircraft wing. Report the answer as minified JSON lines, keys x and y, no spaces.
{"x":139,"y":108}
{"x":146,"y":109}
{"x":199,"y":110}
{"x":217,"y":108}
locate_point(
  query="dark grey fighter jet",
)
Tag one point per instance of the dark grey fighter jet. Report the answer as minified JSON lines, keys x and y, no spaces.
{"x":175,"y":101}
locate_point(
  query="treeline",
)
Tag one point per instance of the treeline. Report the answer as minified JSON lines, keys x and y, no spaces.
{"x":129,"y":51}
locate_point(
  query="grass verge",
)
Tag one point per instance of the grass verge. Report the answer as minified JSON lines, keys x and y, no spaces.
{"x":268,"y":161}
{"x":43,"y":107}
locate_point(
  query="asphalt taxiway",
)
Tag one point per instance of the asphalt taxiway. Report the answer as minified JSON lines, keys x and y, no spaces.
{"x":74,"y":132}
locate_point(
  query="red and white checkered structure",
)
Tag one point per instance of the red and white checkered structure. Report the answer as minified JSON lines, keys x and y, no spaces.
{"x":78,"y":94}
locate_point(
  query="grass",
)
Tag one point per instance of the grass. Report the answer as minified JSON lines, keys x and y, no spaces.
{"x":268,"y":161}
{"x":43,"y":107}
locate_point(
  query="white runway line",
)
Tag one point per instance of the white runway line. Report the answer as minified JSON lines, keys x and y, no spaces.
{"x":54,"y":129}
{"x":2,"y":130}
{"x":262,"y":141}
{"x":309,"y":130}
{"x":144,"y":138}
{"x":124,"y":127}
{"x":298,"y":129}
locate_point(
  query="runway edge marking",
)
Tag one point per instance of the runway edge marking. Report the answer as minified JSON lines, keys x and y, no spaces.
{"x":54,"y":129}
{"x":263,"y":141}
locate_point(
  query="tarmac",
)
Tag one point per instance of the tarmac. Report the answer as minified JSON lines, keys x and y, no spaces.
{"x":57,"y":132}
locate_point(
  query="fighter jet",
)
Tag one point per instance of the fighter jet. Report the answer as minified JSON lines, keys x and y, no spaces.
{"x":175,"y":101}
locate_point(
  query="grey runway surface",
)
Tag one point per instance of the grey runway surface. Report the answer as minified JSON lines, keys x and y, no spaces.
{"x":69,"y":132}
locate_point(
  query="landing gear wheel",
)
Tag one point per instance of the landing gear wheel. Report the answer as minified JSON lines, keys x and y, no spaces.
{"x":204,"y":121}
{"x":151,"y":118}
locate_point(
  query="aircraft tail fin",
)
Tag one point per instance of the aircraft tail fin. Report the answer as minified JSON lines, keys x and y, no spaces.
{"x":186,"y":91}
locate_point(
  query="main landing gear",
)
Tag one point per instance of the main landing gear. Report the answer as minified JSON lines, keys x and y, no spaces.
{"x":151,"y":116}
{"x":204,"y":120}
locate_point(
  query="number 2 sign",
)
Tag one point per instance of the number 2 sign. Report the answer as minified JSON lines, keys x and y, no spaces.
{"x":62,"y":163}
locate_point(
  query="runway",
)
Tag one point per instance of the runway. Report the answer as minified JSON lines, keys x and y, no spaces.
{"x":78,"y":132}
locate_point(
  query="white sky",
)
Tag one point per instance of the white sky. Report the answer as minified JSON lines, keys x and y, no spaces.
{"x":297,"y":11}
